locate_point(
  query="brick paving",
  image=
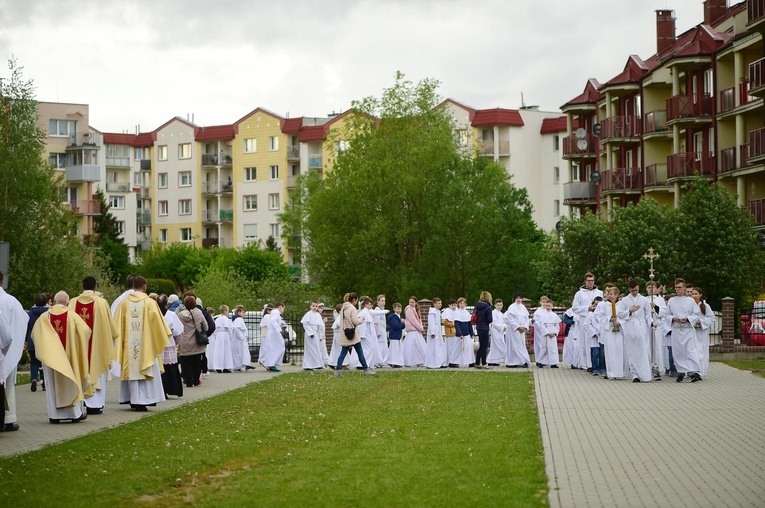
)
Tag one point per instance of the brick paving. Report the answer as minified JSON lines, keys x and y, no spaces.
{"x":615,"y":443}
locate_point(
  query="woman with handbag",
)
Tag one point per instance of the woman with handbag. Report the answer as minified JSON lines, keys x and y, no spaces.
{"x":193,"y":343}
{"x":349,"y":337}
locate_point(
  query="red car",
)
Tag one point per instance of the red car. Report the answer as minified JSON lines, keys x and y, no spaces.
{"x":753,"y":325}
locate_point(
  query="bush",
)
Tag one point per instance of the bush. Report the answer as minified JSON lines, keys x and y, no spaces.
{"x":160,"y":286}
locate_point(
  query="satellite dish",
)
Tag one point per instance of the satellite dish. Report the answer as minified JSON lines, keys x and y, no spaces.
{"x":582,"y":144}
{"x":558,"y":226}
{"x":581,"y":133}
{"x":595,"y":176}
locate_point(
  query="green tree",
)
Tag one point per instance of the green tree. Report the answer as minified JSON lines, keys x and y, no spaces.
{"x":109,"y":244}
{"x":182,"y":263}
{"x":405,"y":211}
{"x":45,"y":254}
{"x":226,"y":287}
{"x":271,"y":245}
{"x":252,"y":262}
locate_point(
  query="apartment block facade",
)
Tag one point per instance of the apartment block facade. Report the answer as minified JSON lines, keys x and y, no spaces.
{"x":693,"y":108}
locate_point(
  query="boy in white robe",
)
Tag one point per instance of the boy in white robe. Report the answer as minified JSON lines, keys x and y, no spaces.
{"x":591,"y":334}
{"x":323,"y":334}
{"x":546,"y":328}
{"x":448,"y":318}
{"x":634,"y":314}
{"x":379,"y":315}
{"x":497,"y":347}
{"x":583,"y":304}
{"x":655,"y":333}
{"x":240,"y":346}
{"x":367,"y":332}
{"x":706,"y":320}
{"x":274,"y":342}
{"x":612,"y":334}
{"x":264,"y":320}
{"x":435,"y":357}
{"x":312,"y":323}
{"x":220,"y":359}
{"x":516,"y":319}
{"x":685,"y":314}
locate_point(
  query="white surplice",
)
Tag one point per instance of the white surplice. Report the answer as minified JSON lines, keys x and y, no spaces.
{"x":516,"y":317}
{"x":312,"y":357}
{"x":684,"y":349}
{"x":435,"y":358}
{"x":635,"y":326}
{"x":497,"y":347}
{"x":219,"y":351}
{"x":546,"y":328}
{"x":706,"y":320}
{"x":580,"y":307}
{"x":240,"y":346}
{"x":612,"y":339}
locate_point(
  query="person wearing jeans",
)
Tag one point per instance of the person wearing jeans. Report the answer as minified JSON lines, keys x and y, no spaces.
{"x":483,"y":313}
{"x":349,"y":319}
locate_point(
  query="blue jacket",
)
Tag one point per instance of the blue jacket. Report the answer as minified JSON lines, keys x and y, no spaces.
{"x":483,"y":311}
{"x":395,"y":326}
{"x":34,"y":313}
{"x":464,"y":328}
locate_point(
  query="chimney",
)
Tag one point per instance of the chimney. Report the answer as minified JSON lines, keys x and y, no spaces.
{"x":714,"y":10}
{"x":665,"y":30}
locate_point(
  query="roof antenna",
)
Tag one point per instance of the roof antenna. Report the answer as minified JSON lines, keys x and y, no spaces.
{"x":523,"y":104}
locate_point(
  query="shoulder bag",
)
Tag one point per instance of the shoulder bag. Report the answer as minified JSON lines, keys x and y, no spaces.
{"x":201,"y":336}
{"x":350,"y":333}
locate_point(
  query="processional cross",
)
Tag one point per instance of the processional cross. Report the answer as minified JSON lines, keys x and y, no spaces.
{"x":651,"y":256}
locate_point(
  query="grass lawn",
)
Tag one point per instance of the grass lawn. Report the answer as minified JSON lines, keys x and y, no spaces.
{"x":399,"y":439}
{"x":756,"y":366}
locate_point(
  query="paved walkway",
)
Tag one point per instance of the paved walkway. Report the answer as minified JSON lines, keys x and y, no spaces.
{"x":615,"y":443}
{"x":606,"y":443}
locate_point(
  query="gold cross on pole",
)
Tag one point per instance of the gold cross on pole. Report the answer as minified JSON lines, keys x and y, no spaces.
{"x":651,"y":256}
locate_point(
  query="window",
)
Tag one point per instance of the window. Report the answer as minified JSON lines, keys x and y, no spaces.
{"x":120,"y":227}
{"x":273,"y":143}
{"x":250,"y":174}
{"x":138,"y":179}
{"x":184,"y":179}
{"x":117,"y":202}
{"x":186,"y":234}
{"x":162,"y":153}
{"x":628,"y":158}
{"x":274,"y":172}
{"x":556,"y":208}
{"x":251,"y":203}
{"x":273,"y":201}
{"x":162,"y":208}
{"x":62,"y":128}
{"x":184,"y":207}
{"x":462,"y":137}
{"x":556,"y":174}
{"x":58,"y":160}
{"x":250,"y":231}
{"x":111,"y":177}
{"x":708,"y":82}
{"x":138,"y":154}
{"x":275,"y":230}
{"x":295,"y":170}
{"x":711,"y":141}
{"x":163,"y":236}
{"x":162,"y":180}
{"x":575,"y":173}
{"x":698,"y":144}
{"x":250,"y":145}
{"x":556,"y":142}
{"x":184,"y":151}
{"x":341,"y":146}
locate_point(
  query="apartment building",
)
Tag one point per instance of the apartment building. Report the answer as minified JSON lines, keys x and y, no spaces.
{"x":693,"y":108}
{"x":526,"y":142}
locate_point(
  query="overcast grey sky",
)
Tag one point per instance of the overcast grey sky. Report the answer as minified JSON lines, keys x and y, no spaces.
{"x":146,"y":61}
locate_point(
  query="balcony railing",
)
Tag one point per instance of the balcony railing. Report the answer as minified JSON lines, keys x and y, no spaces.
{"x":571,"y":146}
{"x":211,"y":187}
{"x":226,"y":215}
{"x":85,"y":140}
{"x":144,"y":218}
{"x":292,"y":181}
{"x":227,"y":187}
{"x":145,"y":164}
{"x":85,"y":207}
{"x":757,"y":208}
{"x":655,"y":175}
{"x":118,"y":162}
{"x":756,"y":77}
{"x":620,"y":127}
{"x":209,"y":215}
{"x":83,"y":173}
{"x":621,"y":179}
{"x":655,"y":121}
{"x":727,"y":100}
{"x":144,"y":193}
{"x":293,"y":152}
{"x":743,"y":155}
{"x":487,"y":147}
{"x":682,"y":165}
{"x":728,"y":160}
{"x":314,"y":161}
{"x":756,"y":143}
{"x":755,"y":10}
{"x":697,"y":105}
{"x":209,"y":242}
{"x":579,"y":191}
{"x":209,"y":159}
{"x":117,"y":186}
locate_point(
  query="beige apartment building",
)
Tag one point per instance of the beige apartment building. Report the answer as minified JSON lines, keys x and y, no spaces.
{"x":693,"y":108}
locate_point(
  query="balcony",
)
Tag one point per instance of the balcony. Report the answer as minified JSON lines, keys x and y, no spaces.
{"x":88,"y":140}
{"x":209,"y":159}
{"x":743,"y":93}
{"x":209,"y":216}
{"x":226,"y":187}
{"x":690,"y":109}
{"x":578,"y":192}
{"x":226,"y":215}
{"x":620,"y":130}
{"x":292,"y":181}
{"x":85,"y":207}
{"x":757,"y":209}
{"x":144,"y":218}
{"x":145,"y":164}
{"x":756,"y":78}
{"x":571,"y":148}
{"x":621,"y":180}
{"x":83,"y":173}
{"x":118,"y":162}
{"x":211,"y":187}
{"x":293,"y":153}
{"x":144,"y":241}
{"x":208,"y":243}
{"x":655,"y":175}
{"x":314,"y":161}
{"x":144,"y":193}
{"x":728,"y":160}
{"x":755,"y":15}
{"x":756,"y":146}
{"x":655,"y":122}
{"x":686,"y":165}
{"x":487,"y":148}
{"x":727,"y":100}
{"x":117,"y":187}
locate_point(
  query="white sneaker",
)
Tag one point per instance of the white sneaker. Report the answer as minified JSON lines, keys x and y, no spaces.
{"x":206,"y":375}
{"x":338,"y":373}
{"x":370,"y":372}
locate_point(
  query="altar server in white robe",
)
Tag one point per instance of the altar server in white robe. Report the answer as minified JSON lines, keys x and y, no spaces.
{"x":274,"y":342}
{"x":380,"y":317}
{"x":312,"y":324}
{"x":436,"y":354}
{"x":367,"y":332}
{"x":453,"y":348}
{"x":219,"y":351}
{"x":240,"y":341}
{"x":685,"y":314}
{"x":592,"y":336}
{"x":334,"y":353}
{"x":15,"y":325}
{"x":546,"y":328}
{"x":517,"y":320}
{"x":323,"y":334}
{"x":582,"y":304}
{"x":264,"y":320}
{"x":634,"y":314}
{"x":497,"y":347}
{"x":570,"y":342}
{"x":656,"y":333}
{"x":612,"y":334}
{"x":414,"y":342}
{"x":706,"y":320}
